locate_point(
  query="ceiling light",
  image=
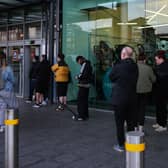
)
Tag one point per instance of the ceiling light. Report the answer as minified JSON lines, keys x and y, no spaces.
{"x":127,"y":23}
{"x":156,"y":13}
{"x":153,"y":26}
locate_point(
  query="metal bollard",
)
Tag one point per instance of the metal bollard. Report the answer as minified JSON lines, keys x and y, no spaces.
{"x":135,"y":148}
{"x":11,"y":138}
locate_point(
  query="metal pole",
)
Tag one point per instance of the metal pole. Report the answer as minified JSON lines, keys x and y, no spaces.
{"x":51,"y":43}
{"x":11,"y":139}
{"x":135,"y":148}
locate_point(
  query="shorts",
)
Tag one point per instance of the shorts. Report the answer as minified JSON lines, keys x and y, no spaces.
{"x":41,"y":87}
{"x":62,"y":88}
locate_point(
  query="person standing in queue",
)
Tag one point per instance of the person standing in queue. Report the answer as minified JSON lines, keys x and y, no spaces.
{"x":7,"y":95}
{"x":161,"y":93}
{"x":33,"y":78}
{"x":124,"y":76}
{"x":146,"y":78}
{"x":62,"y":77}
{"x":84,"y":80}
{"x":43,"y":78}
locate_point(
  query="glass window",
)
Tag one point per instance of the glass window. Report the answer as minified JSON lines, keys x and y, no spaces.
{"x":15,"y":32}
{"x":3,"y":34}
{"x":33,"y":30}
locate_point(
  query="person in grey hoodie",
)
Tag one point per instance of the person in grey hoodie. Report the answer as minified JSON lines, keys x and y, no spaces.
{"x":146,"y":78}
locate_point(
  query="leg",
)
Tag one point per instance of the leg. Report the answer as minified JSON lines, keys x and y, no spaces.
{"x":162,"y":114}
{"x":142,"y":101}
{"x":119,"y":119}
{"x":83,"y":102}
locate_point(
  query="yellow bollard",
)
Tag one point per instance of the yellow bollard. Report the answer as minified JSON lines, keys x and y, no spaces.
{"x":11,"y":139}
{"x":135,"y":148}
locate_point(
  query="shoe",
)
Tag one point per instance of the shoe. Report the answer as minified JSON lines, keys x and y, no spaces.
{"x":59,"y":108}
{"x":44,"y":103}
{"x":77,"y":118}
{"x":2,"y":128}
{"x":155,"y":125}
{"x":80,"y":119}
{"x":119,"y":148}
{"x":141,"y":128}
{"x":161,"y":129}
{"x":74,"y":117}
{"x":36,"y":105}
{"x":28,"y":101}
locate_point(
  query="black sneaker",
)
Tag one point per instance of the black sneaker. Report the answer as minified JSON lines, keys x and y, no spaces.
{"x":59,"y":108}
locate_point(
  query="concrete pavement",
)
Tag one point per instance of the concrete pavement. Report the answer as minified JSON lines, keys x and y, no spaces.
{"x":50,"y":139}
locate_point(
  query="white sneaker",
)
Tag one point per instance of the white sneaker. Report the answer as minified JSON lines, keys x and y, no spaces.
{"x":2,"y":128}
{"x":44,"y":103}
{"x":28,"y":101}
{"x":118,"y":148}
{"x":156,"y":125}
{"x":160,"y":129}
{"x":36,"y":106}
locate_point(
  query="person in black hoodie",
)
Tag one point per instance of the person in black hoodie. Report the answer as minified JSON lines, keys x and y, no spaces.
{"x":84,"y":80}
{"x":33,"y":78}
{"x":161,"y":94}
{"x":43,"y":78}
{"x":124,"y":76}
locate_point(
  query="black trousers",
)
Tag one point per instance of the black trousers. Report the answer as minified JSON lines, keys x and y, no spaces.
{"x":124,"y":113}
{"x":32,"y":88}
{"x":142,"y":100}
{"x":161,"y":112}
{"x":82,"y":103}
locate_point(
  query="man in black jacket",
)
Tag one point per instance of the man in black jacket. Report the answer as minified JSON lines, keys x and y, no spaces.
{"x":33,"y":78}
{"x":124,"y":76}
{"x":161,"y":94}
{"x":84,"y":80}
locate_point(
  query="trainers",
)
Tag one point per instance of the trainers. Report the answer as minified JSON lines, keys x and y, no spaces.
{"x":36,"y":105}
{"x":74,"y":117}
{"x":161,"y":129}
{"x":59,"y":108}
{"x":44,"y":103}
{"x":2,"y":128}
{"x":28,"y":101}
{"x":77,"y":118}
{"x":155,"y":125}
{"x":80,"y":119}
{"x":118,"y":148}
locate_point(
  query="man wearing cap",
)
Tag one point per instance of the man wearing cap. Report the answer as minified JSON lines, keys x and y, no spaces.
{"x":161,"y":95}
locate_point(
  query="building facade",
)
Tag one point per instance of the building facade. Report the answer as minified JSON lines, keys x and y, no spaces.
{"x":96,"y":29}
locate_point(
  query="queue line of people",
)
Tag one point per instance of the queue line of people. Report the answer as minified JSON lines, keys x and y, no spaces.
{"x":132,"y":84}
{"x":39,"y":81}
{"x":39,"y":78}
